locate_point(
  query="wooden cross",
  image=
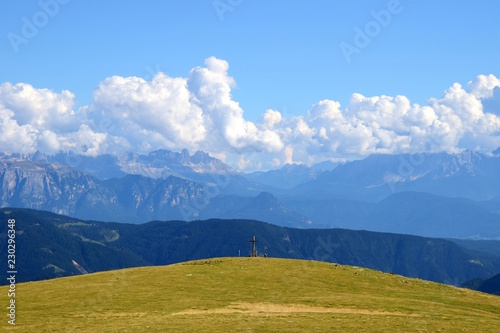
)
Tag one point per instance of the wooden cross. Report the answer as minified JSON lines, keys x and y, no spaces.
{"x":254,"y":251}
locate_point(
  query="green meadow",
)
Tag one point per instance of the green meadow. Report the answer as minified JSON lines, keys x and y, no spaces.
{"x":248,"y":295}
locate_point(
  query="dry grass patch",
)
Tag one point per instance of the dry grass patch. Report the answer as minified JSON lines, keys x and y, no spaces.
{"x":266,"y":309}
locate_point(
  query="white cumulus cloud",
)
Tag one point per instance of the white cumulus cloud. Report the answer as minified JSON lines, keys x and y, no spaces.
{"x":198,"y":112}
{"x":41,"y":108}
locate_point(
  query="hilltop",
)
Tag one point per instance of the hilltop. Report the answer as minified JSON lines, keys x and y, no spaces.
{"x":49,"y":243}
{"x":250,"y":295}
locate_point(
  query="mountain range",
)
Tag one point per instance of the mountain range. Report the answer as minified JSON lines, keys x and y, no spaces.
{"x":435,"y":195}
{"x":199,"y":167}
{"x":467,"y":174}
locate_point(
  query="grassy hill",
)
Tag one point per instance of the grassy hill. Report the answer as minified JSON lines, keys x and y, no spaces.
{"x":249,"y":295}
{"x":47,"y":245}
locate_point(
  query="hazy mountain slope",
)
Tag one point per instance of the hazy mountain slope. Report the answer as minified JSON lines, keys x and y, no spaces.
{"x":146,"y":199}
{"x":468,"y":174}
{"x":487,"y":246}
{"x":490,"y":286}
{"x":133,"y":198}
{"x":286,"y":177}
{"x":157,"y":164}
{"x":199,"y":167}
{"x":263,"y":207}
{"x":62,"y":189}
{"x":46,"y":246}
{"x":370,"y":194}
{"x":325,"y":166}
{"x":102,"y":166}
{"x":406,"y":213}
{"x":336,"y":213}
{"x":426,"y":214}
{"x":54,"y":188}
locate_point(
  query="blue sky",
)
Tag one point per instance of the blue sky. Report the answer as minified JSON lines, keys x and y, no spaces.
{"x":283,"y":55}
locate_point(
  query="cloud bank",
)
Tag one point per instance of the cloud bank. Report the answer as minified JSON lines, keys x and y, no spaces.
{"x":198,"y":113}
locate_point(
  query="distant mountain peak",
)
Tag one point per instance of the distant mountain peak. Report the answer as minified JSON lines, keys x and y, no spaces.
{"x":39,"y":156}
{"x":294,"y":166}
{"x":468,"y":173}
{"x":209,"y":163}
{"x":286,"y":177}
{"x":325,"y":165}
{"x":267,"y":198}
{"x":185,"y":157}
{"x":159,"y":163}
